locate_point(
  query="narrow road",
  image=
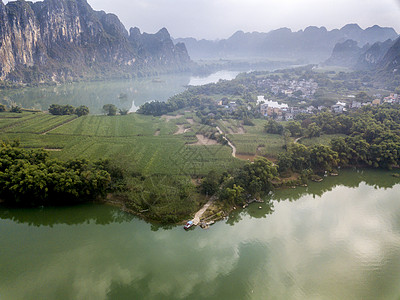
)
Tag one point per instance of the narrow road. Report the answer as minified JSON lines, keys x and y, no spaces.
{"x":298,"y":139}
{"x":229,"y":142}
{"x":199,"y":214}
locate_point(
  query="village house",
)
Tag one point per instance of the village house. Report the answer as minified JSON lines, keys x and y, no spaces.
{"x":355,"y":104}
{"x":392,"y":98}
{"x":339,"y":107}
{"x":376,"y":102}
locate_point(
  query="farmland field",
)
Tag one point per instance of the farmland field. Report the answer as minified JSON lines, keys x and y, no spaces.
{"x":323,"y":139}
{"x":252,"y":144}
{"x":130,"y":139}
{"x":252,"y":140}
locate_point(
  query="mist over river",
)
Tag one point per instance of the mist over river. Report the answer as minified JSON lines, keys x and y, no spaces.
{"x":125,"y":94}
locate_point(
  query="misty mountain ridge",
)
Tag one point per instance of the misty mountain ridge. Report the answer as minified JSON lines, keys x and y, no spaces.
{"x":63,"y":40}
{"x":349,"y":54}
{"x":390,"y":63}
{"x":312,"y":45}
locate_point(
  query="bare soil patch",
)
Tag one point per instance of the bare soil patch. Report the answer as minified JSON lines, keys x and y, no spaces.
{"x":240,"y":130}
{"x":246,"y":157}
{"x":167,"y":118}
{"x":181,"y":129}
{"x":190,"y":121}
{"x":157,"y":133}
{"x":53,"y":149}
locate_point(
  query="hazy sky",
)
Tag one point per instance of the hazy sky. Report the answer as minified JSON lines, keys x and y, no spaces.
{"x":213,"y":19}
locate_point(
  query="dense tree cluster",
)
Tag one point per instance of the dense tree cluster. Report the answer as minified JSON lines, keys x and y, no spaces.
{"x":372,"y":139}
{"x":252,"y":180}
{"x":29,"y":177}
{"x":110,"y":109}
{"x":62,"y":110}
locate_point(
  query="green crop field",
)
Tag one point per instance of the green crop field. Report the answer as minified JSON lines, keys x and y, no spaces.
{"x":41,"y":123}
{"x":323,"y":139}
{"x":130,"y":139}
{"x":252,"y":140}
{"x":8,"y":119}
{"x":261,"y":144}
{"x":117,"y":126}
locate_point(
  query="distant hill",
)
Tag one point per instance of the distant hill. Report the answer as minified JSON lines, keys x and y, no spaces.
{"x":313,"y":45}
{"x":349,"y":54}
{"x":391,"y":61}
{"x":61,"y":40}
{"x":346,"y":54}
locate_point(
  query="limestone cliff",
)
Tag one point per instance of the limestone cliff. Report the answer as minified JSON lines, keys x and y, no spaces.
{"x":59,"y":40}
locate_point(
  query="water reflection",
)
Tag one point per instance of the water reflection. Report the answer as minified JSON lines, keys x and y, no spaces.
{"x":378,"y":179}
{"x":350,"y":178}
{"x":125,"y":94}
{"x":343,"y":244}
{"x":81,"y":214}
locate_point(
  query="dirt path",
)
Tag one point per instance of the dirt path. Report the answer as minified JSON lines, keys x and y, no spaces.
{"x":298,"y":139}
{"x":229,"y":142}
{"x":167,"y":118}
{"x":199,"y":214}
{"x":181,"y":129}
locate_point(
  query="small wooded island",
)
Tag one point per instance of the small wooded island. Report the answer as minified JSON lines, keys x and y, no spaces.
{"x":219,"y":141}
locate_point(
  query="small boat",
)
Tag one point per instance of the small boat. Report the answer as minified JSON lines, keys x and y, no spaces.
{"x":188,"y":225}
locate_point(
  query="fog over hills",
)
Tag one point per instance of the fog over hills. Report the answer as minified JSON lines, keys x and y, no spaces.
{"x":311,"y":45}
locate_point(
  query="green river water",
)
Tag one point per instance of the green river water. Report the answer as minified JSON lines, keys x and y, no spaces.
{"x":338,"y":239}
{"x":125,"y":94}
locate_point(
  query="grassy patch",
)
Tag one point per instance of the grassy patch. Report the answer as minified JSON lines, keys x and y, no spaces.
{"x":262,"y":144}
{"x":321,"y":140}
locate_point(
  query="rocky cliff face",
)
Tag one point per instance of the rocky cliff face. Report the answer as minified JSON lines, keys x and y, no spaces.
{"x":390,"y":63}
{"x":349,"y":54}
{"x":371,"y":58}
{"x":66,"y":39}
{"x":345,"y":54}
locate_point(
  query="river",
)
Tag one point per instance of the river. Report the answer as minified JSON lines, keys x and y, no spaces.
{"x":125,"y":94}
{"x":338,"y":239}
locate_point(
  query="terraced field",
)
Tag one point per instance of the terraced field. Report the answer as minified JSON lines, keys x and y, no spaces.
{"x":129,"y":139}
{"x":42,"y":123}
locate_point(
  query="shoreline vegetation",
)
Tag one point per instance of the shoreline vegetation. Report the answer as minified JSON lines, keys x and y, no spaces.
{"x":165,"y":162}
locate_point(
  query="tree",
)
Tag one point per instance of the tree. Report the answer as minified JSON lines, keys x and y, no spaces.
{"x":273,"y":127}
{"x":68,"y":110}
{"x":210,"y":183}
{"x":55,"y":109}
{"x":2,"y":107}
{"x":29,"y":177}
{"x":110,"y":109}
{"x":323,"y":158}
{"x":16,"y":109}
{"x":295,"y":128}
{"x":82,"y":110}
{"x":298,"y":93}
{"x":285,"y":162}
{"x":123,"y":112}
{"x":313,"y":130}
